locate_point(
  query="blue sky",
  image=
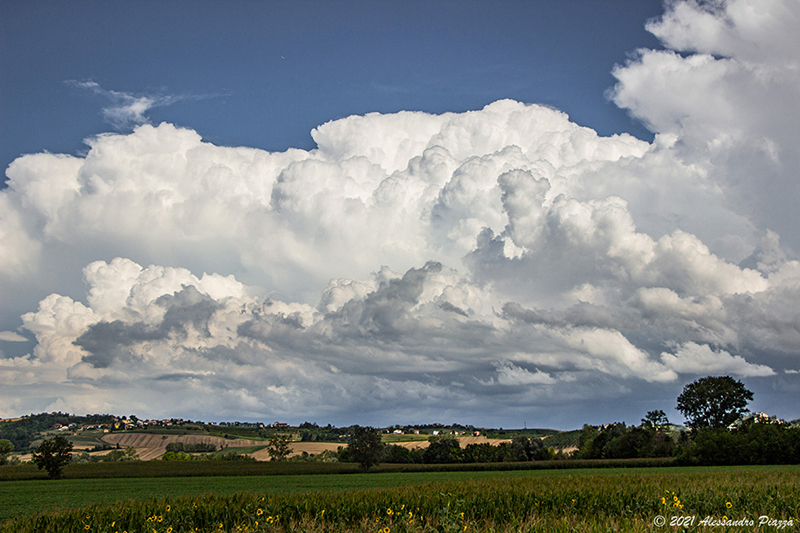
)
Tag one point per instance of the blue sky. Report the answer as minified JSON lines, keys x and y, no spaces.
{"x":263,"y":74}
{"x":491,"y":213}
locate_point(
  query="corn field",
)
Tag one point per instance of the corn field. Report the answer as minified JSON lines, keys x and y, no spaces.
{"x":571,"y":501}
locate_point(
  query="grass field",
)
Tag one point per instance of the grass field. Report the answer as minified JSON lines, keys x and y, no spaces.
{"x":21,"y":498}
{"x":502,"y":501}
{"x":240,"y":450}
{"x":408,"y":437}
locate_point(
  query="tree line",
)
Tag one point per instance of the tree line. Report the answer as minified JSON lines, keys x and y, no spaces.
{"x":198,"y":447}
{"x":714,"y":407}
{"x":721,"y":434}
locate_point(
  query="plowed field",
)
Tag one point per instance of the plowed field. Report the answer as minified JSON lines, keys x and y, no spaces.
{"x":464,"y":441}
{"x":151,"y":446}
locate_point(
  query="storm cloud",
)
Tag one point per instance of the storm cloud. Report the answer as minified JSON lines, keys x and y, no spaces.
{"x":492,"y":266}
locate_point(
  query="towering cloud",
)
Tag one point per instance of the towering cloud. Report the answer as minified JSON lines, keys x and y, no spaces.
{"x":418,"y":266}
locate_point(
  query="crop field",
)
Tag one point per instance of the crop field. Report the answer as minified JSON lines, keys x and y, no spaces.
{"x":694,"y":499}
{"x":29,"y":496}
{"x":408,"y":437}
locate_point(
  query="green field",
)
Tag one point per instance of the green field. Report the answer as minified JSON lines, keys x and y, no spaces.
{"x":536,"y":500}
{"x":408,"y":437}
{"x":26,"y":497}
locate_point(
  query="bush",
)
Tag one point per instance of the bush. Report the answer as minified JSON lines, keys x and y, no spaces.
{"x":752,"y":443}
{"x":396,"y":454}
{"x":200,"y":447}
{"x":442,"y":450}
{"x":6,"y":447}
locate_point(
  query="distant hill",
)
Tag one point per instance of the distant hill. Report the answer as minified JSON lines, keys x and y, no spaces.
{"x":563,"y":439}
{"x":23,"y":431}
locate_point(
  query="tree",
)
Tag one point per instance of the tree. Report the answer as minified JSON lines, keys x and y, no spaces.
{"x":396,"y":454}
{"x":657,"y":419}
{"x":52,"y":455}
{"x":6,"y":447}
{"x":713,"y":401}
{"x":442,"y":450}
{"x":365,"y":446}
{"x":530,"y":449}
{"x":278,"y":447}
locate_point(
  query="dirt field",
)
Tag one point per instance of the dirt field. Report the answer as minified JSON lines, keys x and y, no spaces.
{"x":464,"y":441}
{"x":152,"y":446}
{"x":298,"y":448}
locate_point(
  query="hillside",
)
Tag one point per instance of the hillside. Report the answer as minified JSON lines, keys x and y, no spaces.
{"x":151,"y":446}
{"x":23,"y":431}
{"x":98,"y":434}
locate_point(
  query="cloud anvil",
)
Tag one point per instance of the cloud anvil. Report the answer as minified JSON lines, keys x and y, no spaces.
{"x":419,"y":265}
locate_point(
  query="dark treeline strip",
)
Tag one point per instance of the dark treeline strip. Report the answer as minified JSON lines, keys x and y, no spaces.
{"x":198,"y":447}
{"x":750,"y":443}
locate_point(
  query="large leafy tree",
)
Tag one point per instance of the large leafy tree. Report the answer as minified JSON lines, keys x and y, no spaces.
{"x":655,"y":419}
{"x":365,"y":446}
{"x":713,"y":401}
{"x":6,"y":447}
{"x":53,"y":455}
{"x":442,"y":450}
{"x":278,"y":447}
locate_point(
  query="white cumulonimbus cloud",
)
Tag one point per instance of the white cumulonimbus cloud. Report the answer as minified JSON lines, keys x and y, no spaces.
{"x":425,"y":266}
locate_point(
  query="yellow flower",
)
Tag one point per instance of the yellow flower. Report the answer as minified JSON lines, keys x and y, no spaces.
{"x":167,"y":508}
{"x":728,"y":505}
{"x":259,"y":512}
{"x":663,"y":501}
{"x":389,"y":511}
